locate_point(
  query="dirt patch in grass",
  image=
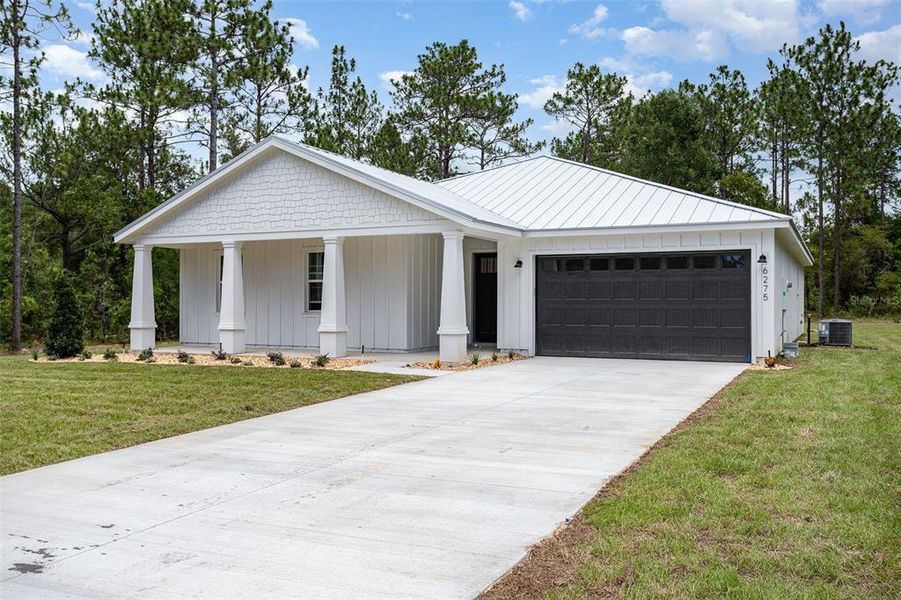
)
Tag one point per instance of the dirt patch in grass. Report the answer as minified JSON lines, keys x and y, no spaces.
{"x":555,"y":561}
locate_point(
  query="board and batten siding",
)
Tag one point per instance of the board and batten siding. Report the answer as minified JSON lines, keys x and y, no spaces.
{"x":392,"y":288}
{"x":516,"y":287}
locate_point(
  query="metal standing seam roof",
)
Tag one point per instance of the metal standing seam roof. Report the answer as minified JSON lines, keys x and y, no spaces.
{"x":548,"y":193}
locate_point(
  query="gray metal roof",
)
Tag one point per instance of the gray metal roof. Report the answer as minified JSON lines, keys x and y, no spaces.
{"x":548,"y":193}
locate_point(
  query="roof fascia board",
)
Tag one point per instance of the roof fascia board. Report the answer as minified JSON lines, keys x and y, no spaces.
{"x":628,"y":230}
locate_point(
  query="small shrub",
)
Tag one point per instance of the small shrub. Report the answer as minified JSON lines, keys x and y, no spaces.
{"x":86,"y":355}
{"x":321,"y":360}
{"x":474,"y":358}
{"x":145,"y":355}
{"x":110,"y":355}
{"x":296,"y":364}
{"x":220,"y":355}
{"x":182,"y":356}
{"x":150,"y":360}
{"x":276,"y":357}
{"x":436,"y":364}
{"x":247,"y":363}
{"x":510,"y":354}
{"x":190,"y":360}
{"x":235,"y":360}
{"x":52,"y":357}
{"x":65,"y":332}
{"x":494,"y":357}
{"x":34,"y":355}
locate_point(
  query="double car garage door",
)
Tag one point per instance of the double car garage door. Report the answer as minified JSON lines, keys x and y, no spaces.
{"x":673,"y":306}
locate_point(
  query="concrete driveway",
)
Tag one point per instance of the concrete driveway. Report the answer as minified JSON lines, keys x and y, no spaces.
{"x":427,"y":490}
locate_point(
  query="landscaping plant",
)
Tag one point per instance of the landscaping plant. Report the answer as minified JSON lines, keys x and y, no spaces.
{"x":86,"y":355}
{"x":65,"y":334}
{"x":220,"y":355}
{"x":321,"y":360}
{"x":145,"y":355}
{"x":110,"y":355}
{"x":277,"y":358}
{"x":183,"y":357}
{"x":296,"y":364}
{"x":494,"y":357}
{"x":474,"y":358}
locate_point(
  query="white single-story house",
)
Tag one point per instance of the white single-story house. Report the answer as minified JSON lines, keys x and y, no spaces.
{"x":288,"y":246}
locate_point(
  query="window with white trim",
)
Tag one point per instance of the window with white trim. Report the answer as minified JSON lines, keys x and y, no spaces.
{"x":315,"y":269}
{"x":219,"y":284}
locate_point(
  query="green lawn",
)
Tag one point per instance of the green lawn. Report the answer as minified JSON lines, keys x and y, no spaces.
{"x":50,"y":412}
{"x":787,"y":486}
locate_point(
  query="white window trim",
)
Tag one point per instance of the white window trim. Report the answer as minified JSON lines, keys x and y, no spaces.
{"x":308,"y":280}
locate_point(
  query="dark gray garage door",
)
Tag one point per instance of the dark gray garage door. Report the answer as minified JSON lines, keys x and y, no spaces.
{"x":674,"y":306}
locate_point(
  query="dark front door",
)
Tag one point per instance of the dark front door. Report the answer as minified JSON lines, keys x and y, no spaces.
{"x":485,"y":305}
{"x":689,"y":306}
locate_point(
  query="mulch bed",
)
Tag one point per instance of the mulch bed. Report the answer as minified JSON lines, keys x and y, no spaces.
{"x":170,"y":358}
{"x":484,"y":361}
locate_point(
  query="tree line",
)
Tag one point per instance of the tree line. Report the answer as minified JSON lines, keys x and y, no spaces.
{"x":76,"y":165}
{"x":823,"y":118}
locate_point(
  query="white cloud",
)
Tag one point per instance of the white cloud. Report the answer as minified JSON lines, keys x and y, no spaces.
{"x":545,"y":87}
{"x":300,"y":31}
{"x":639,"y":78}
{"x":88,"y":6}
{"x":558,"y":128}
{"x":862,"y":11}
{"x":704,"y":45}
{"x":386,"y":77}
{"x":884,"y":45}
{"x":405,"y":16}
{"x":520,"y":10}
{"x":751,"y":25}
{"x":591,"y":29}
{"x":70,"y":63}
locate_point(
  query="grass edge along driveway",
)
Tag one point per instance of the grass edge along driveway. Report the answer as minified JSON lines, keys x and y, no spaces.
{"x":785,"y":485}
{"x":52,"y":412}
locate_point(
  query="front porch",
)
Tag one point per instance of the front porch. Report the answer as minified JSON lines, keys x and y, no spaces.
{"x":404,"y":295}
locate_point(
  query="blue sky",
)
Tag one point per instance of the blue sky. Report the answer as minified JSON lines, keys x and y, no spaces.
{"x":656,"y":43}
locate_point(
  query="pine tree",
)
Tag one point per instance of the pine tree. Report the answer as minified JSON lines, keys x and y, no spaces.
{"x":496,"y":137}
{"x":271,"y":98}
{"x":146,"y":48}
{"x":594,"y":103}
{"x":391,"y":151}
{"x":781,"y":128}
{"x":347,"y":115}
{"x":22,"y":23}
{"x":730,"y":117}
{"x":845,"y":98}
{"x":438,"y":101}
{"x":218,"y":28}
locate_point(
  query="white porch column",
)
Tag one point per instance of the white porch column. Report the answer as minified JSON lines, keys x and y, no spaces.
{"x":143,"y":322}
{"x":452,"y":330}
{"x":333,"y":319}
{"x":231,"y":307}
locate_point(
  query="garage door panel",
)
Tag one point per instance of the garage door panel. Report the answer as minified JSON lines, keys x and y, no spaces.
{"x":639,"y":307}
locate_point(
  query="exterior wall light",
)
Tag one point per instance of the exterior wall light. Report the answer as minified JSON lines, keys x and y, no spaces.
{"x":517,"y":264}
{"x":762,"y":259}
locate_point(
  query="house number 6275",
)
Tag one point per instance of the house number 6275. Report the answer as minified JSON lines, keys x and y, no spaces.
{"x":765,"y":282}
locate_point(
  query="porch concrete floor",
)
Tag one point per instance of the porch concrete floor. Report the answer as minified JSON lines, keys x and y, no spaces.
{"x":427,"y":490}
